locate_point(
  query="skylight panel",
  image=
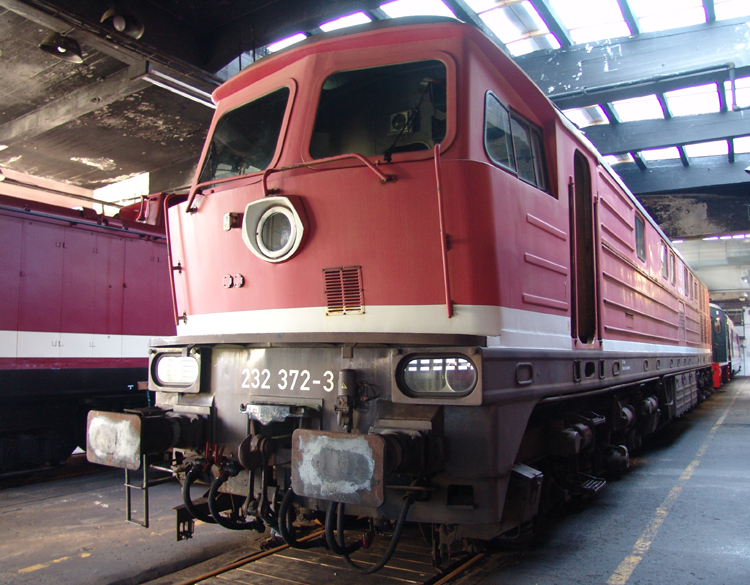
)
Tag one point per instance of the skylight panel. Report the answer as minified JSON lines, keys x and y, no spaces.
{"x":641,"y":108}
{"x":726,"y":9}
{"x":401,"y":8}
{"x":616,"y":159}
{"x":287,"y":42}
{"x":480,"y":6}
{"x":701,"y":99}
{"x":741,"y":91}
{"x":351,"y":20}
{"x":506,"y":30}
{"x":657,"y":15}
{"x":589,"y":116}
{"x":716,"y":148}
{"x":591,"y":20}
{"x":519,"y":26}
{"x":531,"y":44}
{"x":668,"y":153}
{"x":742,"y":145}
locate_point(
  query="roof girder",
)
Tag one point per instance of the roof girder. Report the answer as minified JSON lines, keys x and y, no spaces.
{"x":604,"y":71}
{"x":669,"y":176}
{"x":680,"y":130}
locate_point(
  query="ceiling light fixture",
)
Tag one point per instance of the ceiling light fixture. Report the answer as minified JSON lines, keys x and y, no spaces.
{"x":62,"y":47}
{"x":123,"y":22}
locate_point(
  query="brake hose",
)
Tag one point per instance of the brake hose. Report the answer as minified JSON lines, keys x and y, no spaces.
{"x":286,"y":530}
{"x":338,"y":546}
{"x":191,"y":476}
{"x":227,"y":522}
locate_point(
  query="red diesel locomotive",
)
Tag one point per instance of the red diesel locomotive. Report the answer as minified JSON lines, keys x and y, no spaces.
{"x":408,"y":289}
{"x":81,"y":294}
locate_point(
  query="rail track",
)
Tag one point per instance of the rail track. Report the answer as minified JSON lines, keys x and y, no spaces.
{"x":411,"y":564}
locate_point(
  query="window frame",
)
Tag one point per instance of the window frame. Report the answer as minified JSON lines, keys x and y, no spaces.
{"x":535,"y":144}
{"x":362,"y":59}
{"x":686,"y":277}
{"x":664,"y":261}
{"x":640,"y":249}
{"x":235,"y":102}
{"x":672,"y":269}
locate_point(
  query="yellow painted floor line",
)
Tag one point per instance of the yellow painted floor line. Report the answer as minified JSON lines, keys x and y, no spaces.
{"x":625,"y":570}
{"x":47,"y":564}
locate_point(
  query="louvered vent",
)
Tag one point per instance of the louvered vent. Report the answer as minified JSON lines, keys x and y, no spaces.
{"x":344,"y":290}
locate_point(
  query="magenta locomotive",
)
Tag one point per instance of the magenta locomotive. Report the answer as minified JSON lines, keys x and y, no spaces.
{"x":407,"y":288}
{"x":81,"y":294}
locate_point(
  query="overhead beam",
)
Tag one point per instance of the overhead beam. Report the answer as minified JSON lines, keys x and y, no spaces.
{"x":553,"y":22}
{"x":697,"y":215}
{"x":669,"y":176}
{"x":72,"y":106}
{"x":629,"y":16}
{"x":593,"y":73}
{"x":680,"y":130}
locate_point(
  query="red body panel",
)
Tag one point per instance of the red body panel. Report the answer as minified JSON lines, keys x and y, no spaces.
{"x":64,"y":273}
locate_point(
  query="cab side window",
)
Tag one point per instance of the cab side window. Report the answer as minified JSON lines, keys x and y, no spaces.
{"x":513,"y":143}
{"x":497,"y":136}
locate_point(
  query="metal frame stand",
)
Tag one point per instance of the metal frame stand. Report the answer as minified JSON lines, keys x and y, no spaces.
{"x":144,"y":486}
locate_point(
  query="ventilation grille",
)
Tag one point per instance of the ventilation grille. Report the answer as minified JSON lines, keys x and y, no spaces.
{"x":344,"y":290}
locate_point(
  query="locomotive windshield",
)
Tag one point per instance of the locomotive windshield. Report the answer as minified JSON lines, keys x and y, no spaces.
{"x":245,"y":138}
{"x":381,"y":111}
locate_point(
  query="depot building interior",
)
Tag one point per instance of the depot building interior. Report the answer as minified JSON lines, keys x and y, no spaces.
{"x":103,"y":103}
{"x":102,"y":106}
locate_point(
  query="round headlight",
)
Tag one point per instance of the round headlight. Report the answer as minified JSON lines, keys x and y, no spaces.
{"x":276,"y":232}
{"x":272,"y":228}
{"x":452,"y":375}
{"x":176,"y":370}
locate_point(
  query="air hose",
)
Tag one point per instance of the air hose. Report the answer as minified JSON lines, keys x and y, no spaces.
{"x":216,"y":512}
{"x":339,"y":548}
{"x":191,"y":476}
{"x":286,"y":529}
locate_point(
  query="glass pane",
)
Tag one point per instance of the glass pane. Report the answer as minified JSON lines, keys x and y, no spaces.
{"x":522,"y":146}
{"x":433,"y":375}
{"x":591,"y":20}
{"x":396,"y":108}
{"x":641,"y":108}
{"x":275,"y":231}
{"x":640,"y":238}
{"x":245,"y":138}
{"x":536,"y":138}
{"x":701,"y":99}
{"x":671,"y":268}
{"x":497,"y":134}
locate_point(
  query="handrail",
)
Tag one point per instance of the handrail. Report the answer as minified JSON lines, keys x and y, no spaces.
{"x":384,"y":178}
{"x":194,"y":190}
{"x":443,"y":235}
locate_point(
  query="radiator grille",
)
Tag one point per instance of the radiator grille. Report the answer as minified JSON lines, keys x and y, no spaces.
{"x":343,"y":289}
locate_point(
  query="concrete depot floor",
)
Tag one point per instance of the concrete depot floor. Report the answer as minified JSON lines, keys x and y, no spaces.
{"x":73,"y":531}
{"x":680,"y":515}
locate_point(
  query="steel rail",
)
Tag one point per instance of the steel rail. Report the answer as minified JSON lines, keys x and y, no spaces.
{"x":245,"y":561}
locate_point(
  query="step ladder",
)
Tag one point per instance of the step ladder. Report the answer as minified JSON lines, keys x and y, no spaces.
{"x":146,"y":483}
